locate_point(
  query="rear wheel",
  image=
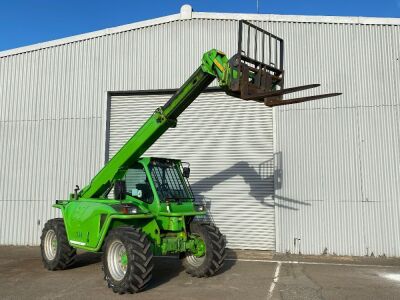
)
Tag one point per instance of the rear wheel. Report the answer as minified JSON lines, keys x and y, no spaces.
{"x":127,"y":260}
{"x":57,"y":254}
{"x":214,"y":255}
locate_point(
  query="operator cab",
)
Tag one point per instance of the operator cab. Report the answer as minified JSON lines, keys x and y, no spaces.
{"x":151,"y":176}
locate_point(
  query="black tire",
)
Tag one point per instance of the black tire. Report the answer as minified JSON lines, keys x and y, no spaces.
{"x":57,"y":254}
{"x":139,"y":257}
{"x":213,"y":260}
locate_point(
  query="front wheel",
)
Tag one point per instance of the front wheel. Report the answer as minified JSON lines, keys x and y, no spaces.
{"x":213,"y":259}
{"x":127,"y":260}
{"x":57,"y":254}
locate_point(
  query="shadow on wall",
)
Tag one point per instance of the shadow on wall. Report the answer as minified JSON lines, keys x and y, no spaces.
{"x":263,"y":180}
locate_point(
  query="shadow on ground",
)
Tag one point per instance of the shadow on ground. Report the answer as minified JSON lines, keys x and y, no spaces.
{"x":84,"y":259}
{"x":165,"y":268}
{"x":168,"y":268}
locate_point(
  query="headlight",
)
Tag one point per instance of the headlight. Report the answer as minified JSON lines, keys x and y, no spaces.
{"x":199,"y":207}
{"x":127,"y":209}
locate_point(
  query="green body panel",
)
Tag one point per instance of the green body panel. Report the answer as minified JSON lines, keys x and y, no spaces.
{"x":89,"y":215}
{"x":88,"y":221}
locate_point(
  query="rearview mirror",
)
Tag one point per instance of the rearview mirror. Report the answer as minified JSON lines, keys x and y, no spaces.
{"x":186,"y":172}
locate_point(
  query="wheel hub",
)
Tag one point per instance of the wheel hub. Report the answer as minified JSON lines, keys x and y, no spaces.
{"x":117,"y":259}
{"x":200,"y":248}
{"x":197,"y":254}
{"x":124,"y":260}
{"x":50,"y":244}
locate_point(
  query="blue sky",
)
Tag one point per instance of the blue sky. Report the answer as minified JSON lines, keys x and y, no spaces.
{"x":25,"y":22}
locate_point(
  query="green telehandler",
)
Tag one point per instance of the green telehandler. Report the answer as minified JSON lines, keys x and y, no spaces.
{"x":153,"y":210}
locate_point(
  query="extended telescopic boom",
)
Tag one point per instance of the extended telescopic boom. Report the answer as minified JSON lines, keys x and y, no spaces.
{"x":213,"y":66}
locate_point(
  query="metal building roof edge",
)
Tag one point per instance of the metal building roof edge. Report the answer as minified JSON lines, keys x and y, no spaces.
{"x":90,"y":35}
{"x":204,"y":15}
{"x":299,"y":18}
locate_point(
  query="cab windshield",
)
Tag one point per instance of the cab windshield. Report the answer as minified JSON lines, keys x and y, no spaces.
{"x":169,"y":182}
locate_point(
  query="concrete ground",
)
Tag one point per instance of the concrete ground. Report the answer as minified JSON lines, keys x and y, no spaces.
{"x":246,"y":275}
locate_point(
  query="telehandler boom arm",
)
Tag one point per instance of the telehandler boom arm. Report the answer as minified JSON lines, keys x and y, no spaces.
{"x":213,"y":66}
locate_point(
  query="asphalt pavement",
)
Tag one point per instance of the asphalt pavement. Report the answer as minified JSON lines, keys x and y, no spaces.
{"x":245,"y":275}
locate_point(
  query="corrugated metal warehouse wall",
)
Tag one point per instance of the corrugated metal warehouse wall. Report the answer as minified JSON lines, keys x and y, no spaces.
{"x":336,"y":182}
{"x":340,"y":157}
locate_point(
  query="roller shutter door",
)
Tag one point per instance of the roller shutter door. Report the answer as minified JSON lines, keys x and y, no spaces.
{"x":229,"y":144}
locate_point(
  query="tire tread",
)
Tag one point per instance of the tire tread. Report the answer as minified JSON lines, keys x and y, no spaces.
{"x":217,"y":254}
{"x":140,"y":266}
{"x":66,"y":255}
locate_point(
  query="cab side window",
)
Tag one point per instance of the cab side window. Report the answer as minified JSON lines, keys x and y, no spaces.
{"x":136,"y":179}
